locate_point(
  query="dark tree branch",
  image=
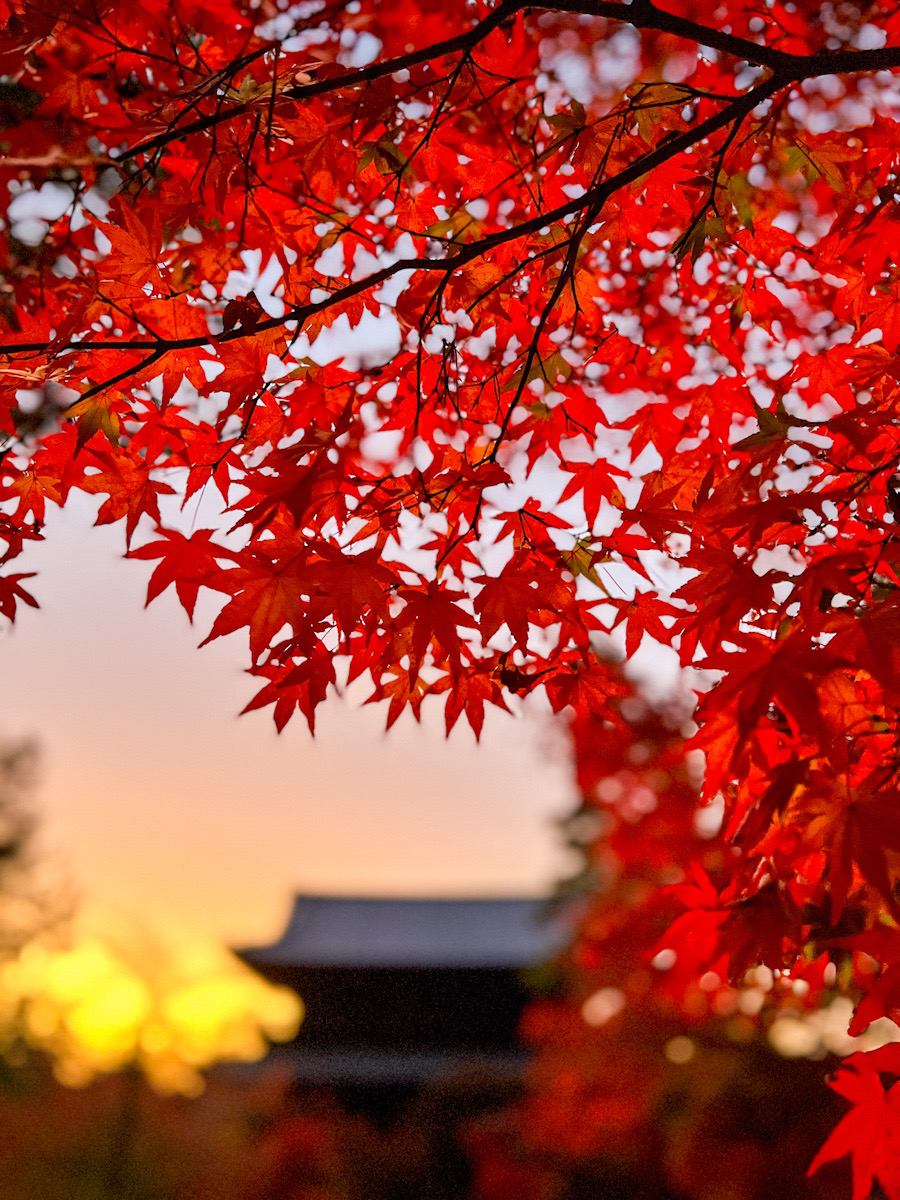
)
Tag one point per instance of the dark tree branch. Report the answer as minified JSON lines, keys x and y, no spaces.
{"x":594,"y":198}
{"x":462,"y":42}
{"x":642,"y":14}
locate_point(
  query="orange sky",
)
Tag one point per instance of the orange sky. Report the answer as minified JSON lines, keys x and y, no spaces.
{"x":166,"y":805}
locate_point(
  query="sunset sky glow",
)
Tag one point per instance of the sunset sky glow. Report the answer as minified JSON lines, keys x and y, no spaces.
{"x":161,"y":802}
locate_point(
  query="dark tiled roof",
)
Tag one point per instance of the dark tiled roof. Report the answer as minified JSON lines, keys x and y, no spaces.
{"x":340,"y":931}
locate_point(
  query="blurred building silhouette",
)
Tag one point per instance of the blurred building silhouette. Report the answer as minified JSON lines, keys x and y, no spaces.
{"x":403,"y":992}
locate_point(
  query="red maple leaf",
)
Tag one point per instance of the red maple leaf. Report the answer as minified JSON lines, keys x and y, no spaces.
{"x":186,"y":562}
{"x":870,"y":1132}
{"x":11,"y":593}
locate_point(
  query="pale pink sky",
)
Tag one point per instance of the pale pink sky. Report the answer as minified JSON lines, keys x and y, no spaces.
{"x":167,"y":805}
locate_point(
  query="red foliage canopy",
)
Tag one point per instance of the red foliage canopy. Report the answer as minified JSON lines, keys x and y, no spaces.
{"x":499,"y":332}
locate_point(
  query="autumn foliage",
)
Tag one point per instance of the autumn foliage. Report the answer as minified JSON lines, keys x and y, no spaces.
{"x":489,"y":336}
{"x":656,"y":1074}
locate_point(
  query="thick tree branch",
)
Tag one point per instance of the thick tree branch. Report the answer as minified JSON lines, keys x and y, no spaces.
{"x":644,"y":15}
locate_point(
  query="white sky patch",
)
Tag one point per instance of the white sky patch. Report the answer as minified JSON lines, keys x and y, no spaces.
{"x":869,"y":37}
{"x":331,"y":261}
{"x":483,"y":344}
{"x":257,"y":279}
{"x":784,"y":559}
{"x":414,"y":533}
{"x":382,"y":446}
{"x":361,"y":48}
{"x":373,"y":342}
{"x":365,"y":263}
{"x":34,"y":210}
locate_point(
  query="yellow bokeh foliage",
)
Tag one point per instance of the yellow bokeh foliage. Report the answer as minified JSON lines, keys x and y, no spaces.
{"x":172,"y":1006}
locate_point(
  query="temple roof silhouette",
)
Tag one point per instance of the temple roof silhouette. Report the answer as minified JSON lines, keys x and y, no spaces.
{"x":362,"y":932}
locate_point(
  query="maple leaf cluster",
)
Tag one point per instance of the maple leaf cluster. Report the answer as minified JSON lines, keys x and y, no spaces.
{"x":494,"y":335}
